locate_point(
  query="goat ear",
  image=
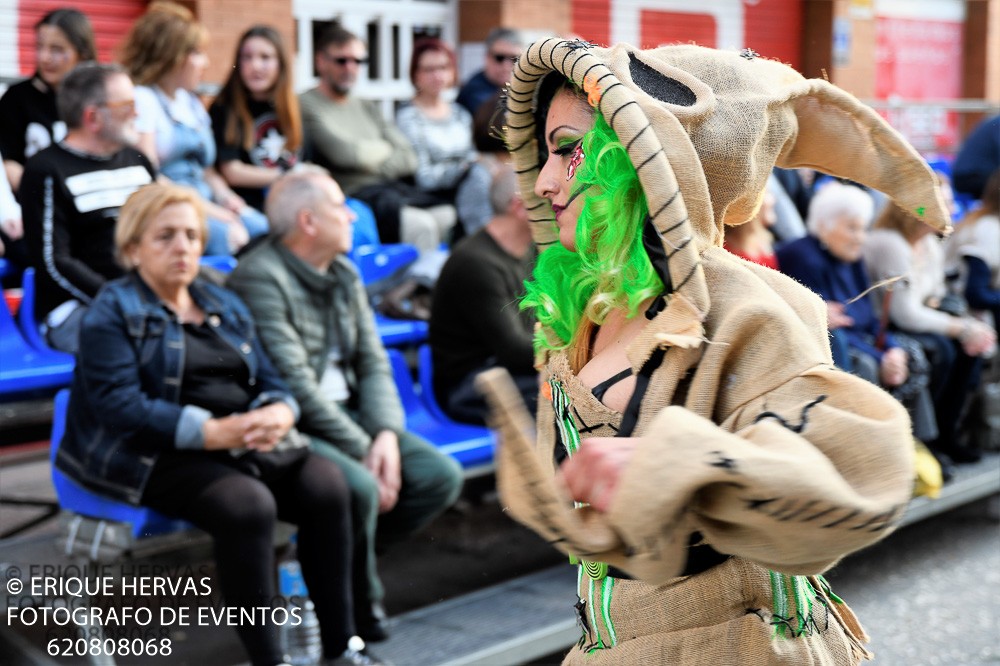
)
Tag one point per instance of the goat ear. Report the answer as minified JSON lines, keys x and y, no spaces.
{"x":842,"y":137}
{"x":658,"y":85}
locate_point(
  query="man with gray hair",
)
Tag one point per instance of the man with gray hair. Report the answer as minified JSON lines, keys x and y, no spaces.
{"x":503,"y":48}
{"x":313,"y":317}
{"x":71,"y":192}
{"x":475,"y":321}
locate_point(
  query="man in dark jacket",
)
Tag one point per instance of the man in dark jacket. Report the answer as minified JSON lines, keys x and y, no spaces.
{"x":475,"y":321}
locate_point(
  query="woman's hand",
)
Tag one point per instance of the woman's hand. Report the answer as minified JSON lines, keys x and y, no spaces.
{"x":13,"y":227}
{"x":224,"y":433}
{"x":893,"y":369}
{"x":237,"y":236}
{"x":591,"y":474}
{"x":231,"y":201}
{"x":259,"y":429}
{"x":835,"y":316}
{"x":976,"y":337}
{"x":264,"y":427}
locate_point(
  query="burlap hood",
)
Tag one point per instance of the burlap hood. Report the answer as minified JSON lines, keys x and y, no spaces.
{"x":704,"y":128}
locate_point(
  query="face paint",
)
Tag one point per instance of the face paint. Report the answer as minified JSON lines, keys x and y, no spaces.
{"x":575,"y":160}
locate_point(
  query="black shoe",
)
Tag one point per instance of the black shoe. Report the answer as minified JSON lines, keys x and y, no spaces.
{"x":947,"y":466}
{"x":373,"y":626}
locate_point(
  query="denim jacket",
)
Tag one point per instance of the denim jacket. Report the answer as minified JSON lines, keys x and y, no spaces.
{"x":124,"y":409}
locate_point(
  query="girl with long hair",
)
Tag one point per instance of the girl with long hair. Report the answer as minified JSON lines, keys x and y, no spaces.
{"x":255,"y":117}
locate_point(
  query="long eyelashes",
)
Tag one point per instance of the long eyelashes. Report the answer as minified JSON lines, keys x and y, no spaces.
{"x":567,"y":149}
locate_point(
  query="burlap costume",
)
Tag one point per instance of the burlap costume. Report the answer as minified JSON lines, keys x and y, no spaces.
{"x":749,"y":435}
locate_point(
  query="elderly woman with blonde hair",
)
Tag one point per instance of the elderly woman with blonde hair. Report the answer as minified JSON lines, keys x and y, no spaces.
{"x":164,"y":53}
{"x":175,"y":406}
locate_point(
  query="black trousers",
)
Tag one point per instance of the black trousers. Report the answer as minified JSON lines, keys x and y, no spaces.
{"x":239,"y":505}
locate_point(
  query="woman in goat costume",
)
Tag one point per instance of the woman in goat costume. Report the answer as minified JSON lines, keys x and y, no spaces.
{"x":745,"y":464}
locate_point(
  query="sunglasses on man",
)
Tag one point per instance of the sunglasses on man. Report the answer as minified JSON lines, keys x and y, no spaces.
{"x":343,"y":60}
{"x":500,"y":58}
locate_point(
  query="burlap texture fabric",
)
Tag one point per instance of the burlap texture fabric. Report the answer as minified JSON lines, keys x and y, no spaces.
{"x":748,"y":434}
{"x":704,"y":128}
{"x":722,"y":616}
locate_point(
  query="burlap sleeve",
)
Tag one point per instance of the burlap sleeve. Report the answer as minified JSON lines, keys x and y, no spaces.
{"x":794,"y":479}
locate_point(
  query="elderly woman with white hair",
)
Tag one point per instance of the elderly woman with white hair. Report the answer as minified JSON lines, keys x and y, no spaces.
{"x":829,"y":261}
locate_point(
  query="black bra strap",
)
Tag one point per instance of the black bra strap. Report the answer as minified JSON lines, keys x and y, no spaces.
{"x":631,"y":416}
{"x":603,"y":387}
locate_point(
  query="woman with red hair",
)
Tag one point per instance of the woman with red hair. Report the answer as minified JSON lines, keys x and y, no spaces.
{"x":440,"y":130}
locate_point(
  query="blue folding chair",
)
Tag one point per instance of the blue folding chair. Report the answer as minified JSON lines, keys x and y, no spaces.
{"x":26,"y":313}
{"x":375,"y":260}
{"x":401,"y":332}
{"x":86,"y":504}
{"x":7,"y":268}
{"x":27,"y":372}
{"x":220,"y":262}
{"x":471,"y":446}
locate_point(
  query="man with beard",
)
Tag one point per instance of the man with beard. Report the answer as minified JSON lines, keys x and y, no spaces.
{"x":367,"y":155}
{"x":71,"y":193}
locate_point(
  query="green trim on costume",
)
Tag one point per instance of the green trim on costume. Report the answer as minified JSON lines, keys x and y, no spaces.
{"x":606,"y":588}
{"x":593,"y":618}
{"x":779,"y":602}
{"x":828,"y":590}
{"x":568,"y":433}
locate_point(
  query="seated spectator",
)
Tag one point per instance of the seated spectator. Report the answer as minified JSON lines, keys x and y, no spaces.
{"x":901,"y":246}
{"x":440,"y":131}
{"x":829,"y":261}
{"x":473,"y":199}
{"x":164,"y":53}
{"x":200,"y":423}
{"x":316,"y":324}
{"x":11,"y":227}
{"x":63,"y":38}
{"x":71,"y":193}
{"x":475,"y":321}
{"x":255,"y":117}
{"x":753,"y":240}
{"x":978,"y":157}
{"x":365,"y":154}
{"x":974,"y":251}
{"x":503,"y":48}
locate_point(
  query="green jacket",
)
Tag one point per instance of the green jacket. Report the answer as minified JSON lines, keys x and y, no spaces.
{"x":301,"y":314}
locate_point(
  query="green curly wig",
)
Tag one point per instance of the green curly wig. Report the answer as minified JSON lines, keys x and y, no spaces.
{"x":610,"y":268}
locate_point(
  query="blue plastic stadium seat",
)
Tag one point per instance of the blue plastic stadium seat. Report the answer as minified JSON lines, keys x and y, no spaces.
{"x":220,"y":262}
{"x":400,"y":332}
{"x":7,"y":269}
{"x":471,"y":446}
{"x":26,"y":372}
{"x":377,"y":262}
{"x":26,"y":313}
{"x":939,"y":163}
{"x":144,"y":522}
